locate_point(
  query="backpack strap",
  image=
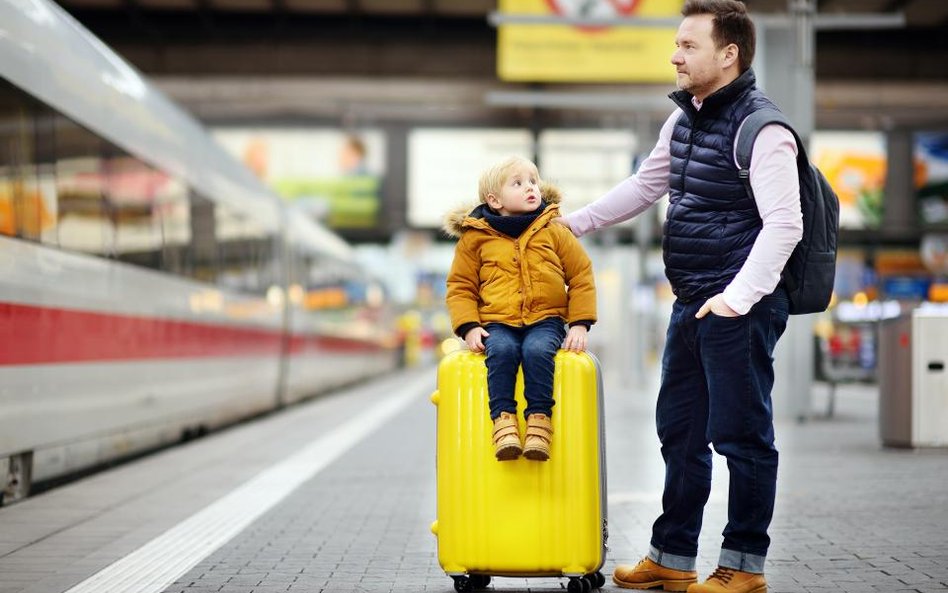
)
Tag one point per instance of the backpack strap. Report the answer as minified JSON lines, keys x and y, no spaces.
{"x":747,"y":135}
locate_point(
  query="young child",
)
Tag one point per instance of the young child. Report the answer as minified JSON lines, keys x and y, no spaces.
{"x":507,"y":295}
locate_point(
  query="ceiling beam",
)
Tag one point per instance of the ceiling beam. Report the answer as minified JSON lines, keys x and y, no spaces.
{"x":205,"y":12}
{"x":895,"y":5}
{"x":820,"y":21}
{"x":134,"y":13}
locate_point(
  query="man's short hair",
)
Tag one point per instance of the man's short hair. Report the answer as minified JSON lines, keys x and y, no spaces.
{"x":731,"y":24}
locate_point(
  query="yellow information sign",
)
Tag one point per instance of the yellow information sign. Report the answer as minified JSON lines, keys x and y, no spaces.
{"x":582,"y":53}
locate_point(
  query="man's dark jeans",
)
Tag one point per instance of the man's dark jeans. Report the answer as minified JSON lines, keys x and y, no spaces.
{"x":717,"y":374}
{"x":533,"y":345}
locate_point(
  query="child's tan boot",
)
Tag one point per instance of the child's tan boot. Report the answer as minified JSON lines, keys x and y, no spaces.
{"x":539,"y":437}
{"x":507,"y":437}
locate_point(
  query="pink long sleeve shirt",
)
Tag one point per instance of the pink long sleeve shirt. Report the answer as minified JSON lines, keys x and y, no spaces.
{"x":773,"y":177}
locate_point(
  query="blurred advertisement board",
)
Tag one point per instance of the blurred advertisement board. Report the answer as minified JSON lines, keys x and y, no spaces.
{"x":572,"y":53}
{"x":444,"y":165}
{"x":585,"y":163}
{"x":931,"y":176}
{"x":334,"y":175}
{"x":855,"y":165}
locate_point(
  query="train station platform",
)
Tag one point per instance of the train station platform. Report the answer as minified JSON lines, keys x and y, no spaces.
{"x":337,"y":495}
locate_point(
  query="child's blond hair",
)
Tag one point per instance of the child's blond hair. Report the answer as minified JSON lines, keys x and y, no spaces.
{"x":493,"y":178}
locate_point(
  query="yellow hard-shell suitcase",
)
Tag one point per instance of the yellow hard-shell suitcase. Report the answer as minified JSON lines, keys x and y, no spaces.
{"x":521,"y":518}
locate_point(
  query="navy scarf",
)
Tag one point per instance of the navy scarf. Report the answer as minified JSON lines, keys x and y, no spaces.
{"x":512,"y":226}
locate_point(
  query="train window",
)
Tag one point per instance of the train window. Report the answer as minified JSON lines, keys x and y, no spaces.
{"x":203,"y":258}
{"x":83,"y":222}
{"x":174,"y":212}
{"x":45,"y":125}
{"x":130,"y":190}
{"x":268,"y":261}
{"x":247,"y":252}
{"x":295,"y":274}
{"x":23,"y":211}
{"x":324,"y":285}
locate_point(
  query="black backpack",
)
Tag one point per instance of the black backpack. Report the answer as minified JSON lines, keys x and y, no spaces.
{"x":811,"y":269}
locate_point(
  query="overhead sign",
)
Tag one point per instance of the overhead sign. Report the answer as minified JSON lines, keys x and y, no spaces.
{"x":532,"y":52}
{"x":335,"y":175}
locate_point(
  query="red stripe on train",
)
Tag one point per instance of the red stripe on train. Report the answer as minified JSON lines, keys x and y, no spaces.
{"x":45,"y":335}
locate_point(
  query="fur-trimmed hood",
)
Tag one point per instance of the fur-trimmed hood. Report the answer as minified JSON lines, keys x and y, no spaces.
{"x":453,"y":224}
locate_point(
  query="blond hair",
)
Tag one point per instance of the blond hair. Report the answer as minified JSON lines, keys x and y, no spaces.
{"x":493,"y":178}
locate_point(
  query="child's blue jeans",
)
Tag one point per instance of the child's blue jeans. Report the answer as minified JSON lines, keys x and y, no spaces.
{"x":534,"y":346}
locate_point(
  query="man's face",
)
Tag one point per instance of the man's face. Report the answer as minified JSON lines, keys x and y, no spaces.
{"x":700,"y":65}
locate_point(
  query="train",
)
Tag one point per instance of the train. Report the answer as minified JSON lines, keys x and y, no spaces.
{"x":153,"y":288}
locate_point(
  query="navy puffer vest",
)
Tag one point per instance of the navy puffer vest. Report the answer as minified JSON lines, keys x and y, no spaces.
{"x":712,"y":222}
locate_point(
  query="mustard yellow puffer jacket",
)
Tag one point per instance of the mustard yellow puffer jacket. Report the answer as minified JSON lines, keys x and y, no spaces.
{"x":496,"y":278}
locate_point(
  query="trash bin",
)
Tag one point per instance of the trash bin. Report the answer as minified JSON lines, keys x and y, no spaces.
{"x":913,"y":379}
{"x":930,"y":377}
{"x":895,"y":381}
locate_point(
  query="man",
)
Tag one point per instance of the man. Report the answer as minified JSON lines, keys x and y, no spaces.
{"x":723,"y":253}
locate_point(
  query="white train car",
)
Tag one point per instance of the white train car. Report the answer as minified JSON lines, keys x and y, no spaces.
{"x":152,"y":288}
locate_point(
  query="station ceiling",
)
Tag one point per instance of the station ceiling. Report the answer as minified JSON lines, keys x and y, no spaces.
{"x":916,"y":51}
{"x":918,"y":13}
{"x":438,"y":57}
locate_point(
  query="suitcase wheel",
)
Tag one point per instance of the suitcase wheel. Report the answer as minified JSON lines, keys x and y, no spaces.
{"x":465,"y":583}
{"x":598,"y":580}
{"x":585,"y":584}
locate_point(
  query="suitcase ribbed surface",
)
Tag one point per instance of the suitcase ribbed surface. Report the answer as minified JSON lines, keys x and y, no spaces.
{"x":519,"y":517}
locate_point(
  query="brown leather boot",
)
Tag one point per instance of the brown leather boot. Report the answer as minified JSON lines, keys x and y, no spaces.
{"x":728,"y":580}
{"x":539,"y":437}
{"x":651,"y":575}
{"x":507,"y":437}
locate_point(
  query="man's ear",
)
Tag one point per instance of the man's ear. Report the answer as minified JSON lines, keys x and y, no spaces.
{"x":730,"y":55}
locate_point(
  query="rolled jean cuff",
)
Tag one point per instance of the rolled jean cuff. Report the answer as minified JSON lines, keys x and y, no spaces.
{"x":673,"y":561}
{"x":742,"y":561}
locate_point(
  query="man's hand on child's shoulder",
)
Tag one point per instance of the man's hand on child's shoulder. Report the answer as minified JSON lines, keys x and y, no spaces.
{"x":562,"y":221}
{"x":575,"y":338}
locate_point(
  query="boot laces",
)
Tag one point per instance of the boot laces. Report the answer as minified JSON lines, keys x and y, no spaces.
{"x":722,"y":574}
